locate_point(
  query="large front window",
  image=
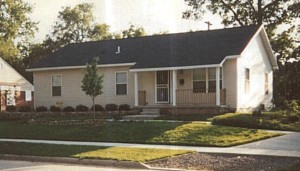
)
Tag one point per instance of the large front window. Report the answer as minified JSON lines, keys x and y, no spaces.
{"x":204,"y":80}
{"x":121,"y":83}
{"x":199,"y":80}
{"x":56,"y":85}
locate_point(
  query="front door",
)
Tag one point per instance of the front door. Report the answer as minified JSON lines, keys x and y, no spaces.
{"x":162,"y":86}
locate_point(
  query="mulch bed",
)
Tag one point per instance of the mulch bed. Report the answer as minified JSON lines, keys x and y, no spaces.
{"x":225,"y":162}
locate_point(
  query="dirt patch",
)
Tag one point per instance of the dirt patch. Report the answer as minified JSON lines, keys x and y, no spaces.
{"x":224,"y":162}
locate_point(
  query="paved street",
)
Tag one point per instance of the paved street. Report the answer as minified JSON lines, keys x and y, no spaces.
{"x":6,"y":165}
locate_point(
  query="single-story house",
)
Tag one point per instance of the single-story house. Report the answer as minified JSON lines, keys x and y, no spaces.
{"x":15,"y":89}
{"x":230,"y":67}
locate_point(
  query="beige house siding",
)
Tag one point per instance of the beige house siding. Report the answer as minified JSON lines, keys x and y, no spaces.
{"x":72,"y":95}
{"x":256,"y":59}
{"x":9,"y":75}
{"x":230,"y":82}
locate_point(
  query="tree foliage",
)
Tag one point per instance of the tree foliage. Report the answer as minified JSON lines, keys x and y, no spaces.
{"x":92,"y":82}
{"x":133,"y":31}
{"x":273,"y":14}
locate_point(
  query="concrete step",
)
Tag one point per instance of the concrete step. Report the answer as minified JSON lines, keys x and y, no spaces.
{"x":139,"y":117}
{"x":148,"y":111}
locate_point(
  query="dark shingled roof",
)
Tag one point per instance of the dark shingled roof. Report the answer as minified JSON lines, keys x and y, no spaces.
{"x":171,"y":50}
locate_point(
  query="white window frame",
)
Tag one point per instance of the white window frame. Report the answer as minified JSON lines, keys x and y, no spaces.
{"x":61,"y":83}
{"x":200,"y":80}
{"x":121,"y":83}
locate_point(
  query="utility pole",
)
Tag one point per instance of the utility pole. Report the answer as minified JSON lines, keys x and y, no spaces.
{"x":208,"y":24}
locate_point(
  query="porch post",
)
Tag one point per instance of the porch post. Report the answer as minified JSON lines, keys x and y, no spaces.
{"x":218,"y":86}
{"x":174,"y":78}
{"x":136,"y":90}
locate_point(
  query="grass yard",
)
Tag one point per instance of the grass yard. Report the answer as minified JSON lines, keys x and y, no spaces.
{"x":154,"y":132}
{"x":75,"y":151}
{"x":268,"y":120}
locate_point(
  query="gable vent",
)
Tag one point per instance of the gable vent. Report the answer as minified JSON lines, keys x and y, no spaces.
{"x":118,"y":50}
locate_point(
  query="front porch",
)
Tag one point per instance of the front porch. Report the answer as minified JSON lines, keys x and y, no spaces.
{"x":199,"y":87}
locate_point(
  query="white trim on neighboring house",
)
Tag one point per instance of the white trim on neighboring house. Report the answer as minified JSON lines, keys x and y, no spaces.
{"x":121,"y":83}
{"x":229,"y":57}
{"x":79,"y":67}
{"x":32,"y":87}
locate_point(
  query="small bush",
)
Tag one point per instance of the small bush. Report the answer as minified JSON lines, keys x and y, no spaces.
{"x":98,"y":108}
{"x":291,"y":106}
{"x":124,"y":107}
{"x":55,"y":109}
{"x":41,"y":109}
{"x":25,"y":109}
{"x":290,"y":118}
{"x":68,"y":109}
{"x":111,"y":107}
{"x":256,"y":113}
{"x":11,"y":108}
{"x":82,"y":108}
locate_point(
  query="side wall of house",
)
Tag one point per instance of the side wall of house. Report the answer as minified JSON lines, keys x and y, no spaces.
{"x":230,"y":82}
{"x":254,"y":58}
{"x":72,"y":95}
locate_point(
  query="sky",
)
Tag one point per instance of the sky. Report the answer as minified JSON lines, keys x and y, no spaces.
{"x":153,"y":15}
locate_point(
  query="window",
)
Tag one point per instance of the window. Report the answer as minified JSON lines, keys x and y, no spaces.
{"x":199,"y":80}
{"x":56,"y":85}
{"x":266,"y":83}
{"x":247,"y":80}
{"x":121,"y":83}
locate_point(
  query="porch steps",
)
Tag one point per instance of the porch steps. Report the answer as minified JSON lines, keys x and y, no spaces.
{"x":146,"y":114}
{"x":150,"y":111}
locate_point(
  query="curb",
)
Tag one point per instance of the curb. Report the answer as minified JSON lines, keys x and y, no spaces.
{"x":67,"y":160}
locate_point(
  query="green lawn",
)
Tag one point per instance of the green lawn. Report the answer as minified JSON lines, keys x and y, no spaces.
{"x":75,"y":151}
{"x":268,"y":120}
{"x":156,"y":132}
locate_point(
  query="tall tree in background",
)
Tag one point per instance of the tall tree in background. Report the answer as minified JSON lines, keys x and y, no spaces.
{"x":73,"y":25}
{"x":16,"y":29}
{"x":133,"y":31}
{"x":272,"y":14}
{"x":92,"y":82}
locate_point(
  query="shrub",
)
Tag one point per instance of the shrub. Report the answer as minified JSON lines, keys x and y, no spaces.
{"x":124,"y":107}
{"x":256,"y":113}
{"x":82,"y":108}
{"x":25,"y":109}
{"x":41,"y":109}
{"x":111,"y":107}
{"x":98,"y":108}
{"x":290,"y":118}
{"x":55,"y":108}
{"x":291,"y":106}
{"x":11,"y":108}
{"x":68,"y":109}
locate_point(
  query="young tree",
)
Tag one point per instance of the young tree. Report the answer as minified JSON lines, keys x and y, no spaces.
{"x":92,"y":82}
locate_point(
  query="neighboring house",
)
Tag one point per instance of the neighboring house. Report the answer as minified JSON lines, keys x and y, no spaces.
{"x":15,"y":89}
{"x":230,"y":67}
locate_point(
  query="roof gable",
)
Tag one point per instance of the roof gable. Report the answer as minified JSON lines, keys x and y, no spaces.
{"x":171,"y":50}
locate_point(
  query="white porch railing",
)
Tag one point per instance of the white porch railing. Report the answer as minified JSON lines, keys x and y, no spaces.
{"x":190,"y":96}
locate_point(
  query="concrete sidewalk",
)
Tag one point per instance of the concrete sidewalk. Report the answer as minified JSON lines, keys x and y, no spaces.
{"x":286,"y":145}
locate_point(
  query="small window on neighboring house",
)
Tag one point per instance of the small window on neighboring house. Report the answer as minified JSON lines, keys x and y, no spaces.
{"x":247,"y":80}
{"x":266,"y":83}
{"x":199,"y":80}
{"x":56,"y":85}
{"x":121,"y":83}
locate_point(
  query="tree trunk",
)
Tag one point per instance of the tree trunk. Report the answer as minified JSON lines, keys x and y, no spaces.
{"x":94,"y":107}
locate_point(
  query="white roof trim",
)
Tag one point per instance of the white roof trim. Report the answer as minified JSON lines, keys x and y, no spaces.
{"x":229,"y":57}
{"x":174,"y":68}
{"x":79,"y":67}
